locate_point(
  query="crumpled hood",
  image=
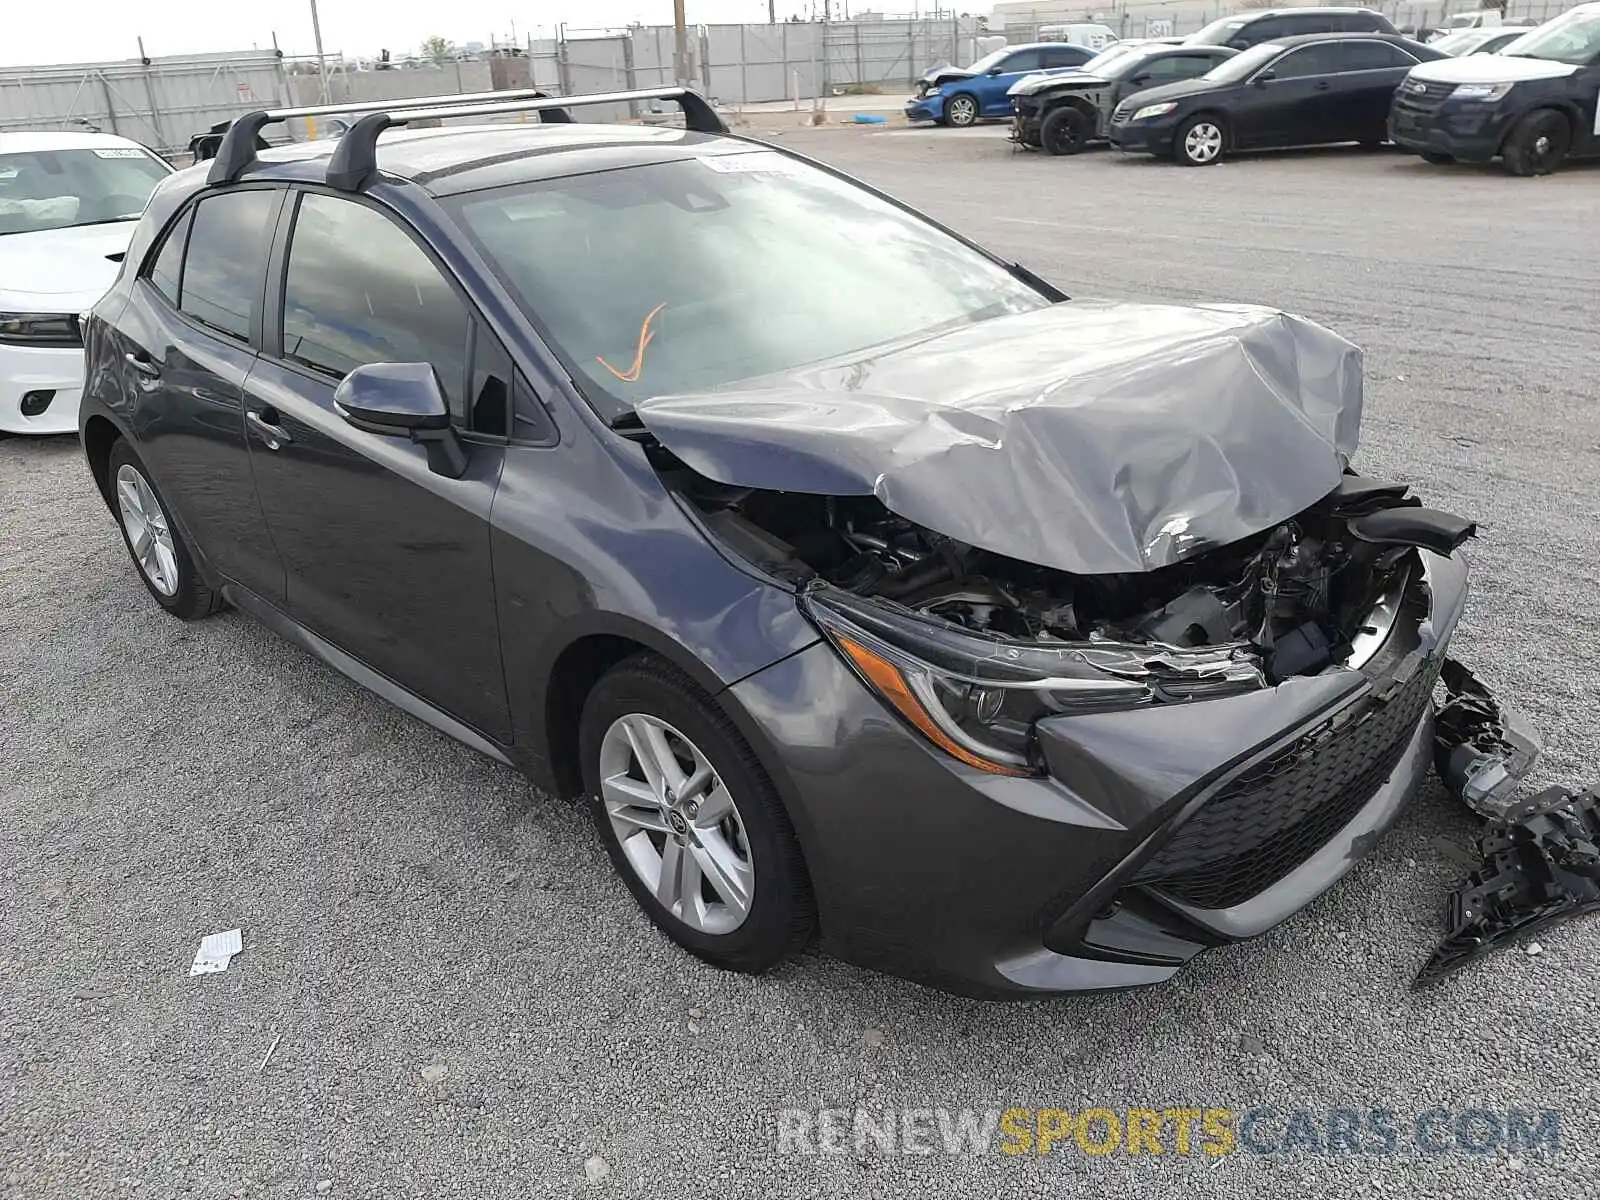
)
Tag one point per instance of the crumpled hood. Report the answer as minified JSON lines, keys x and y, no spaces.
{"x":942,"y":75}
{"x":1030,"y":85}
{"x":60,"y":270}
{"x":1094,"y":437}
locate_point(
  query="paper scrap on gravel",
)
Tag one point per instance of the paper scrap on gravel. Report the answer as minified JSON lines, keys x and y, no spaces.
{"x":216,"y":951}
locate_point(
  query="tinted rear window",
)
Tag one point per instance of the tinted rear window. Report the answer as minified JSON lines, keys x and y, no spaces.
{"x":223,"y":271}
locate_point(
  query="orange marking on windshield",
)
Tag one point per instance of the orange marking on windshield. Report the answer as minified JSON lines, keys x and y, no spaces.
{"x":646,"y":336}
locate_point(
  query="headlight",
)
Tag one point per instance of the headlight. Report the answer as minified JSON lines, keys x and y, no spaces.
{"x":1481,"y":91}
{"x":977,"y":697}
{"x":39,"y":329}
{"x":1154,"y":110}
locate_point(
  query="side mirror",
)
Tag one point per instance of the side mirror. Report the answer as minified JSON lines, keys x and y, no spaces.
{"x":995,"y":71}
{"x":1264,"y":78}
{"x":1145,"y":78}
{"x":400,"y":399}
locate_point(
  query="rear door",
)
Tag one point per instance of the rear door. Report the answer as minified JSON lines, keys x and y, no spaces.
{"x":1375,"y":69}
{"x":384,"y":558}
{"x":186,"y":349}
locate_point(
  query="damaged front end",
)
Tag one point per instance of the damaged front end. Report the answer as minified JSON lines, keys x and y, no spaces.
{"x":974,"y":648}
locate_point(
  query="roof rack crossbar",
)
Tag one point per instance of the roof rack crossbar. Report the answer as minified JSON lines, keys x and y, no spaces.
{"x":355,"y":159}
{"x":243,"y":137}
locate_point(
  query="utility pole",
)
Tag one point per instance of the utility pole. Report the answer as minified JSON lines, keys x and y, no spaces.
{"x":322,"y":62}
{"x":680,"y":51}
{"x":772,"y":12}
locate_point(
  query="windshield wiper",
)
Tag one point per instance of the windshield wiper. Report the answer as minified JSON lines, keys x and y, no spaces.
{"x":102,"y":221}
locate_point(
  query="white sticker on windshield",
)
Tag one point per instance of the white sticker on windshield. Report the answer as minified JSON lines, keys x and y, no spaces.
{"x":119,"y":152}
{"x":761,"y":162}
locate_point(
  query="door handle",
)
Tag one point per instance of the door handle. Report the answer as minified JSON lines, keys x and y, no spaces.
{"x":144,"y":366}
{"x":1321,"y":85}
{"x":273,"y":435}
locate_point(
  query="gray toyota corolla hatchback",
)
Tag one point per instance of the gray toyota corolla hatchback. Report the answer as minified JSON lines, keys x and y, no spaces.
{"x":865,"y":584}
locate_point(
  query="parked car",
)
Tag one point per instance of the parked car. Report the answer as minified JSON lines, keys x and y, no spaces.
{"x":1246,"y":29}
{"x":1301,"y":91}
{"x":857,"y":576}
{"x":1483,"y":18}
{"x":1095,"y":37}
{"x":68,"y":202}
{"x":1534,"y":104}
{"x":1064,"y":113}
{"x":1489,"y":40}
{"x":961,"y":96}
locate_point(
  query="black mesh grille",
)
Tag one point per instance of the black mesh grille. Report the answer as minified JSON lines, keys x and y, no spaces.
{"x":1278,"y":813}
{"x":1409,"y":99}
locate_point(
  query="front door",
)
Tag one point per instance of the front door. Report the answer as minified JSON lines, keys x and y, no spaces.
{"x":386,"y":559}
{"x":1292,"y":102}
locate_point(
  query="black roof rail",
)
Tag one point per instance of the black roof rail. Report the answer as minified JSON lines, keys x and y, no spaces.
{"x":238,"y":146}
{"x":355,"y":159}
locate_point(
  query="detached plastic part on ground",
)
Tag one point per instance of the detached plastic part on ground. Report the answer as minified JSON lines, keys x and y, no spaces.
{"x":1540,"y":856}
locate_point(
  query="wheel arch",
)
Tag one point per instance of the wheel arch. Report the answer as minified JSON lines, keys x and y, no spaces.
{"x":1576,"y":121}
{"x":99,"y":435}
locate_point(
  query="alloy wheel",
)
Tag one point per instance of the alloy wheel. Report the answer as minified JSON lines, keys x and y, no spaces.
{"x":146,"y":526}
{"x":677,"y":824}
{"x":961,"y":111}
{"x":1203,"y":142}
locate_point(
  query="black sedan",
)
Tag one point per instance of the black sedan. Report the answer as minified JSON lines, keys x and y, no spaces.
{"x":1301,"y":91}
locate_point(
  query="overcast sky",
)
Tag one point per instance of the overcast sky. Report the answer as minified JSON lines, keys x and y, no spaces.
{"x":92,"y":30}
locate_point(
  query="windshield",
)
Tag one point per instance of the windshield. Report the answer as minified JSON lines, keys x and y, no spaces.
{"x":1461,"y":43}
{"x":1127,"y":63}
{"x":688,"y":275}
{"x":54,"y":189}
{"x":1217,"y":33}
{"x":990,"y":60}
{"x":1571,"y":38}
{"x":1100,"y":62}
{"x":1241,"y":66}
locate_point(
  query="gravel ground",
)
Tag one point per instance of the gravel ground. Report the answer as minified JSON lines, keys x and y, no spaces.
{"x":464,"y":1001}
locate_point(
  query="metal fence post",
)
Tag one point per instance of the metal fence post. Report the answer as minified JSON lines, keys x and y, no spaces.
{"x":629,"y":77}
{"x":150,"y":93}
{"x":703,"y":47}
{"x":744,"y":69}
{"x":111,"y":107}
{"x":563,"y":65}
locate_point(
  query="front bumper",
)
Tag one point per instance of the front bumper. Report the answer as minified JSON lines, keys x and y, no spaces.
{"x":1143,"y":137}
{"x":31,"y":375}
{"x":925,"y":108}
{"x":1467,"y":130}
{"x":1117,"y":867}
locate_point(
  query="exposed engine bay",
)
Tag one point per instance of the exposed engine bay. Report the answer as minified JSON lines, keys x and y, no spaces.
{"x":1296,"y":594}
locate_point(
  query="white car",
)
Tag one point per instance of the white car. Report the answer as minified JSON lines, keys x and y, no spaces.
{"x":68,"y":205}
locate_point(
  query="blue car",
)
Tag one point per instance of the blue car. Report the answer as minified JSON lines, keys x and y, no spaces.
{"x":960,"y":95}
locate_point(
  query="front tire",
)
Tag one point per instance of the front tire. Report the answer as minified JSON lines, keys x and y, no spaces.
{"x":158,"y":550}
{"x":1538,"y":143}
{"x":1200,"y":141}
{"x":1064,"y":131}
{"x":690,"y":819}
{"x":961,"y":110}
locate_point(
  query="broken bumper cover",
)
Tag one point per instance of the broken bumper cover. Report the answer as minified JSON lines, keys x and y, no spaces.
{"x":1539,"y":868}
{"x":1120,"y":864}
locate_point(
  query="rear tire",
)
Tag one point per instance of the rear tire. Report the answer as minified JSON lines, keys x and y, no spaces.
{"x":1200,"y":141}
{"x":961,"y":110}
{"x":1438,"y":159}
{"x":1538,"y":143}
{"x":717,"y":866}
{"x":1064,"y":131}
{"x":157,"y":548}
